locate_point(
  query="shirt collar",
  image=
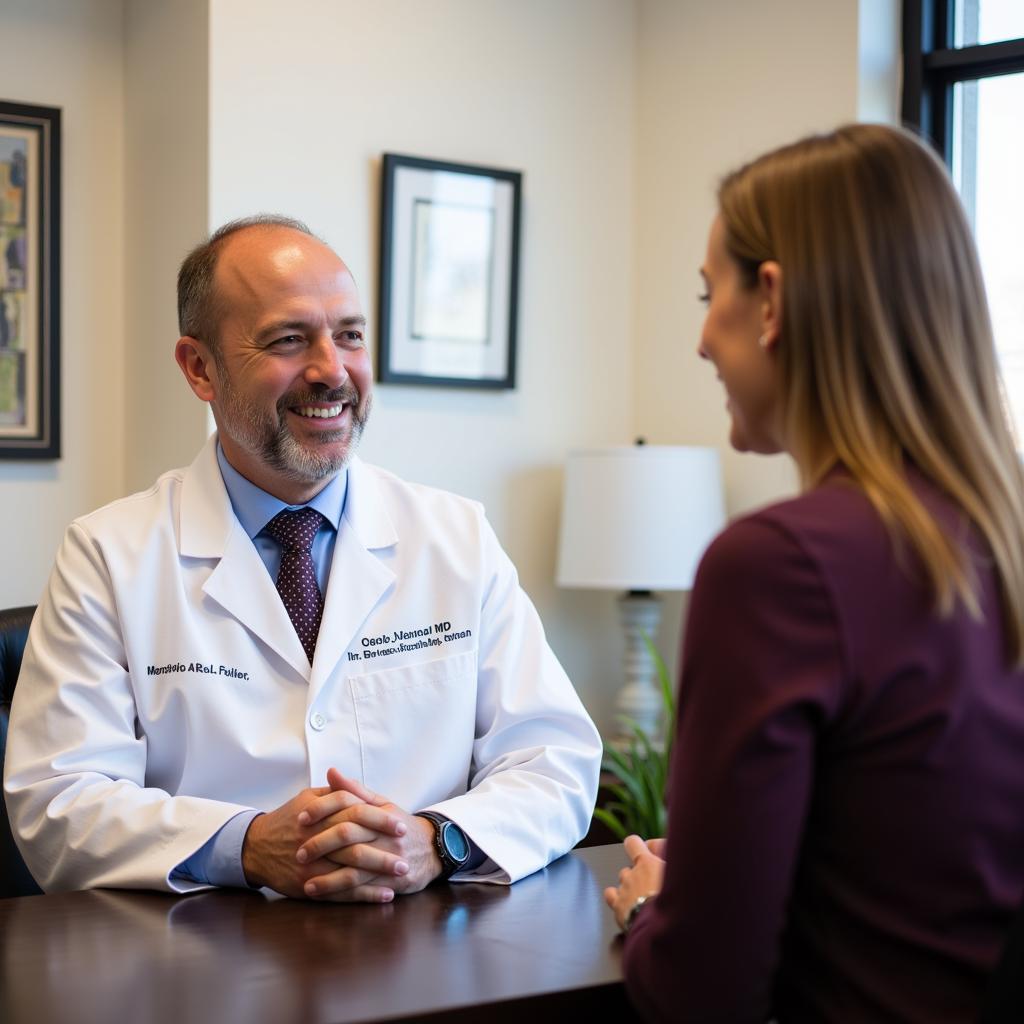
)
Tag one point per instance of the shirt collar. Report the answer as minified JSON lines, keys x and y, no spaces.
{"x":255,"y":508}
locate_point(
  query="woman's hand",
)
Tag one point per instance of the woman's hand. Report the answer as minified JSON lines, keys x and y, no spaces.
{"x":657,"y":847}
{"x":642,"y":879}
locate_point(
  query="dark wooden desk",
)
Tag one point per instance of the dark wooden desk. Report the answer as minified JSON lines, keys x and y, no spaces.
{"x":543,"y":947}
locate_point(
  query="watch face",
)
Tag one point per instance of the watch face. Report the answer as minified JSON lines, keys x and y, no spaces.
{"x":455,"y":842}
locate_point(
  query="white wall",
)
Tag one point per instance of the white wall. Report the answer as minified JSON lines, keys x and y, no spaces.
{"x":542,"y":87}
{"x":166,"y":129}
{"x":715,"y":89}
{"x":69,"y":55}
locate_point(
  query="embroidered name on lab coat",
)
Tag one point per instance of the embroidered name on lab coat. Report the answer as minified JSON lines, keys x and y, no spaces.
{"x":176,"y":667}
{"x":403,"y":641}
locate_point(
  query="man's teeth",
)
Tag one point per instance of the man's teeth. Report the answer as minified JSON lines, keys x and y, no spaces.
{"x":323,"y":414}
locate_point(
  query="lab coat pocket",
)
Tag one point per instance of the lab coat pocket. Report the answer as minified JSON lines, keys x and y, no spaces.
{"x":416,"y":728}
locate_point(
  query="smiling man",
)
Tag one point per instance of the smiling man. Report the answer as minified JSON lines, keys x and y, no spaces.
{"x":281,"y":666}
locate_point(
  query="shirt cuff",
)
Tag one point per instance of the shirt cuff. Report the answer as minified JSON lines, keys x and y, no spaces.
{"x":219,"y":860}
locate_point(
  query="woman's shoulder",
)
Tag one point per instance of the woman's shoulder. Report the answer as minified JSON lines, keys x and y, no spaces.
{"x":834,"y":515}
{"x":827,"y":543}
{"x":830,"y":538}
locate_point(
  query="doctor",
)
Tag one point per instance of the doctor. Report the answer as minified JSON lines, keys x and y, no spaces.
{"x":281,"y":666}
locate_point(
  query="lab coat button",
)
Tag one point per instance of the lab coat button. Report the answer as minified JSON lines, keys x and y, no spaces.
{"x":317,"y":720}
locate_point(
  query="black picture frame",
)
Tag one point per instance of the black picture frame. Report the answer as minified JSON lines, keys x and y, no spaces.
{"x":30,"y":147}
{"x":449,"y":273}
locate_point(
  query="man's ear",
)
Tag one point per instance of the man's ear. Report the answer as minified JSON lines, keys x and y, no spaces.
{"x":195,"y":361}
{"x":769,"y":284}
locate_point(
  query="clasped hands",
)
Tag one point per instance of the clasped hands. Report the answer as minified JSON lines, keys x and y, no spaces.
{"x":340,"y":842}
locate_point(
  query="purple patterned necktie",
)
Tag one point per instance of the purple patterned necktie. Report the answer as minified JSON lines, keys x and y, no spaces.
{"x":296,"y":578}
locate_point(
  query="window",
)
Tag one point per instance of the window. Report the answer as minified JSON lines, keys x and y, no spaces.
{"x":963,"y":86}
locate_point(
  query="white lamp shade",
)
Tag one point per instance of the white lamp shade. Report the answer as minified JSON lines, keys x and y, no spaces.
{"x":639,"y":517}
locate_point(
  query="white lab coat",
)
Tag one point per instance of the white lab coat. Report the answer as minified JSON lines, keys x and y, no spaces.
{"x":164,"y":688}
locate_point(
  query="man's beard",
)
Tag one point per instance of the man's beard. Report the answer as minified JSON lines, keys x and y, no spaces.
{"x":271,"y":441}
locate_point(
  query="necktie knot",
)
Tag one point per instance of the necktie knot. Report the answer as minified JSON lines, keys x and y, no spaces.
{"x":294,"y":529}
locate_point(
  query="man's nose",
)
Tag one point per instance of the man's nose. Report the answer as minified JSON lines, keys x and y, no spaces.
{"x":325,"y":364}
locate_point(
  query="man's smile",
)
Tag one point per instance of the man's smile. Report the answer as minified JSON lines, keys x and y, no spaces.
{"x":323,"y":412}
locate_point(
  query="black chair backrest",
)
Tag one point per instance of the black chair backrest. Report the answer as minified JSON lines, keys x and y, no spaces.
{"x":1004,"y":1000}
{"x":14,"y":622}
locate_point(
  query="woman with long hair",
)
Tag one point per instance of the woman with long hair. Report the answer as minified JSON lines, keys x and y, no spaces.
{"x":846,"y":800}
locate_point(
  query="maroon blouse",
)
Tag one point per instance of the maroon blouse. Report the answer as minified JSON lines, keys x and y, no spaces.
{"x":846,"y":798}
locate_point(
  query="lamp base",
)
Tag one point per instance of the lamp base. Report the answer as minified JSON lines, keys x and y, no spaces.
{"x":640,"y":700}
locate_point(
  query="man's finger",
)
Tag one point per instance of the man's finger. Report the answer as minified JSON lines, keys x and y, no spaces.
{"x":367,"y":857}
{"x":324,"y":806}
{"x":336,"y":837}
{"x":346,"y":879}
{"x":338,"y":880}
{"x":363,"y":894}
{"x":337,"y":781}
{"x":378,"y":819}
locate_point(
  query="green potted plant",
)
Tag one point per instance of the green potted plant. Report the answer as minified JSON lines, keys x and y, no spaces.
{"x":640,"y":768}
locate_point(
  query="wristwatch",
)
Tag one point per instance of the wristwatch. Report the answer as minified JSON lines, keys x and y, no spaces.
{"x":450,"y":841}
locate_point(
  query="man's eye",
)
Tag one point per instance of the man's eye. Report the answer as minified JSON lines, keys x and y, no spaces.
{"x":704,"y":297}
{"x":287,"y":340}
{"x":352,"y":337}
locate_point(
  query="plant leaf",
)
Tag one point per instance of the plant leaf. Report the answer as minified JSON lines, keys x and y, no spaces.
{"x":627,"y":773}
{"x":610,"y":822}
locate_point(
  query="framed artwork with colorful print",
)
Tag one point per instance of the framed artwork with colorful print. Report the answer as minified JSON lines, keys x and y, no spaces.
{"x":29,"y":281}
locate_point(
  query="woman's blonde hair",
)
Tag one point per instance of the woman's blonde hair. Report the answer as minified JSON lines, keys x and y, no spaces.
{"x":885,"y":350}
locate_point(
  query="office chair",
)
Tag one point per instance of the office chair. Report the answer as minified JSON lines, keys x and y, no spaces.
{"x":14,"y":622}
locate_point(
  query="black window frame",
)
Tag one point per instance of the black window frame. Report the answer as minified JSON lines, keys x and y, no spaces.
{"x":932,"y":66}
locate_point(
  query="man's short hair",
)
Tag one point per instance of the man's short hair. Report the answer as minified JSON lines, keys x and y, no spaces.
{"x":198,"y":309}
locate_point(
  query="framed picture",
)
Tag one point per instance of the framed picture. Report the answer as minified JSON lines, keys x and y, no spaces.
{"x":449,"y":273}
{"x":29,"y":281}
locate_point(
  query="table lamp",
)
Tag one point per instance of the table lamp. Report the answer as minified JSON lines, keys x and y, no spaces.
{"x":637,"y":519}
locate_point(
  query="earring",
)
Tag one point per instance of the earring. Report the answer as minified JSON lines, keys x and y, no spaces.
{"x":763,"y":341}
